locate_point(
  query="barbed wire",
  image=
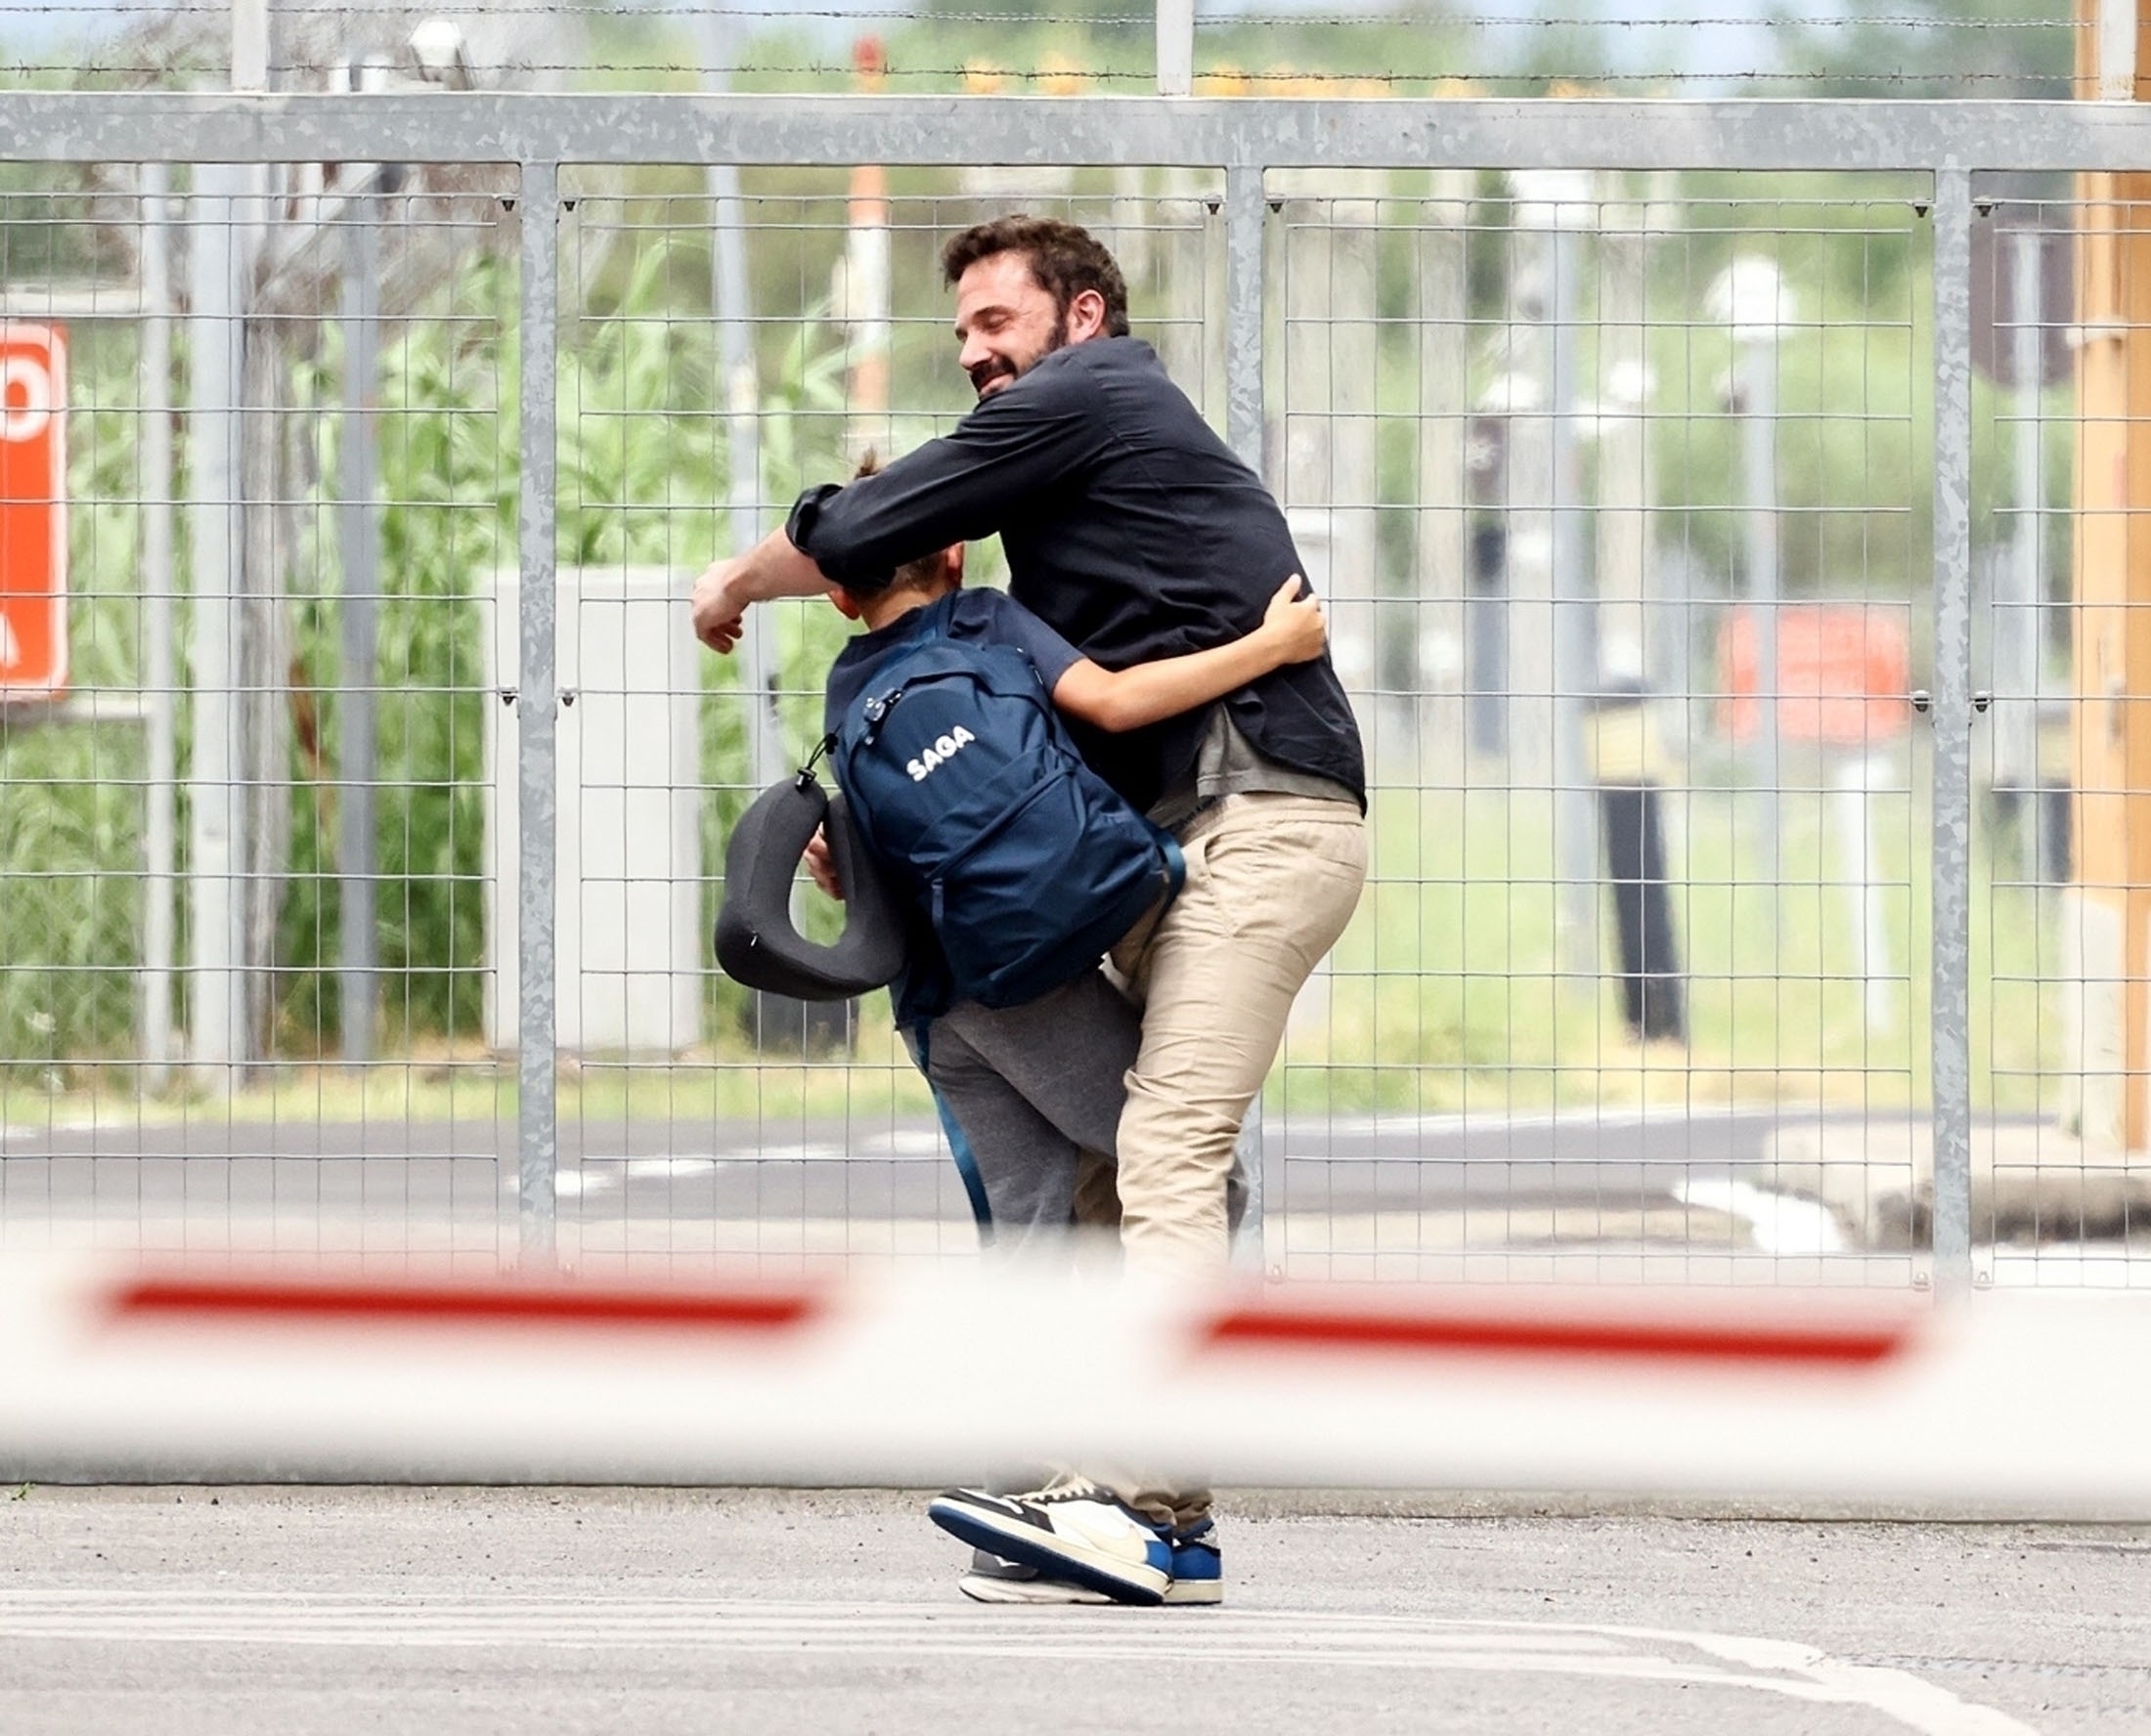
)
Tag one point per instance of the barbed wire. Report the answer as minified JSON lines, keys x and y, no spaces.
{"x":1211,"y":21}
{"x":1244,"y":84}
{"x":1466,"y":56}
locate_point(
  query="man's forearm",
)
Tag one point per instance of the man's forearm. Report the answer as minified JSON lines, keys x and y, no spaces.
{"x":772,"y":568}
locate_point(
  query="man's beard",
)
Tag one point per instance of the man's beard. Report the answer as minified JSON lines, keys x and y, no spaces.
{"x":1002,"y":368}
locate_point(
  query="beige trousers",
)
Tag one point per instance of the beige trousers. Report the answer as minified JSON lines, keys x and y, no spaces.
{"x":1272,"y":880}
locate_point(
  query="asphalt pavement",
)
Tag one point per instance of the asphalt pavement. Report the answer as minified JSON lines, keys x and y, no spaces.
{"x":891,"y":1171}
{"x":179,"y":1611}
{"x":1685,"y":1193}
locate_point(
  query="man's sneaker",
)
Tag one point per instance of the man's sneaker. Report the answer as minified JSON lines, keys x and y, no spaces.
{"x":1073,"y":1531}
{"x":1198,"y":1567}
{"x":1198,"y":1577}
{"x":995,"y":1580}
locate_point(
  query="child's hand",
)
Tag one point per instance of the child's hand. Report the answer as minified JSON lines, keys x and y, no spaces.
{"x":1294,"y":624}
{"x":822,"y":865}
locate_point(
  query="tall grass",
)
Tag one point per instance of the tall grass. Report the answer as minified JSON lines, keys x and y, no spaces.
{"x":1448,"y":991}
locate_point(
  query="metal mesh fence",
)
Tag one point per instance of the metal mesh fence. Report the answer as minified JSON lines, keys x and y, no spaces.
{"x":247,"y":846}
{"x":736,"y":1124}
{"x":1560,"y":490}
{"x":1621,"y":490}
{"x":2053,"y":879}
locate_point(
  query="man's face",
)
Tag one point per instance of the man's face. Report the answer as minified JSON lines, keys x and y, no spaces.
{"x":1006,"y":321}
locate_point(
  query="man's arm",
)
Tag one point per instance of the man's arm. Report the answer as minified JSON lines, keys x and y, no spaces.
{"x":1292,"y":631}
{"x":964,"y":486}
{"x":772,"y":568}
{"x":956,"y":488}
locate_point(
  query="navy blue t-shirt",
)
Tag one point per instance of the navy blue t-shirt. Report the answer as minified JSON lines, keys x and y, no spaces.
{"x":986,"y":616}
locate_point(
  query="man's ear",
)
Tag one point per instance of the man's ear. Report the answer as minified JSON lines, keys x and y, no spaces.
{"x":1086,"y":315}
{"x":844,"y":606}
{"x":952,"y":563}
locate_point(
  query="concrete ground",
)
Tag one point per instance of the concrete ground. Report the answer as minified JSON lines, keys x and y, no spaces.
{"x":178,"y":1611}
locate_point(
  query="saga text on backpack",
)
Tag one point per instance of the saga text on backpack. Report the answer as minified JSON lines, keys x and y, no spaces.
{"x":965,"y":785}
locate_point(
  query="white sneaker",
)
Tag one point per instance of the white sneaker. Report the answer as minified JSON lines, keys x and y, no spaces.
{"x":995,"y":1580}
{"x":1073,"y":1531}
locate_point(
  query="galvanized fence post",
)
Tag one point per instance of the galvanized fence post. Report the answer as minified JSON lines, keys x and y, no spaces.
{"x":1952,"y":720}
{"x":358,"y":544}
{"x":536,"y":1126}
{"x":1243,"y":312}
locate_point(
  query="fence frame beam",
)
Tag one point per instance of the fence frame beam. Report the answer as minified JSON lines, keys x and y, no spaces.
{"x":1843,"y":134}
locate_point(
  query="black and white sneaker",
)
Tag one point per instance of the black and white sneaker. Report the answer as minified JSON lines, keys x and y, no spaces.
{"x":1071,"y":1531}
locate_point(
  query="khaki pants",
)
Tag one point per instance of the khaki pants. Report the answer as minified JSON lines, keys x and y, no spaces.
{"x":1272,"y":880}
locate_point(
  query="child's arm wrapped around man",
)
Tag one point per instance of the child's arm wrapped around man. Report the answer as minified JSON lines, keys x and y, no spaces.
{"x":1292,"y":631}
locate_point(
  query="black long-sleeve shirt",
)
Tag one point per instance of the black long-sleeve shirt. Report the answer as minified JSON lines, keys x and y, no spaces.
{"x":1129,"y":527}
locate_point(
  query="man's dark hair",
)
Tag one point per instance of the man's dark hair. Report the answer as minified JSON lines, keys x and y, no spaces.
{"x":1065,"y":260}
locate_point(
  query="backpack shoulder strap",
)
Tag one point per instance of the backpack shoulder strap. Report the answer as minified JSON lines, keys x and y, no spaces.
{"x":1176,"y":861}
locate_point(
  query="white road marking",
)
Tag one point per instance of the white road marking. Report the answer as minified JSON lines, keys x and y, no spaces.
{"x":644,"y":1168}
{"x":416,"y":1619}
{"x":1906,"y":1697}
{"x":1779,"y":1223}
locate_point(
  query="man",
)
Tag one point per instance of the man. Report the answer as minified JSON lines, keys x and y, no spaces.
{"x":1034,"y":1087}
{"x":1134,"y":531}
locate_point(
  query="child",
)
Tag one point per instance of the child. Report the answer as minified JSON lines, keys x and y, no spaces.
{"x":1036,"y":1086}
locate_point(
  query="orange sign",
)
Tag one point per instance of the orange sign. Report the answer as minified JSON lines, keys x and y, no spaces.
{"x":33,"y":511}
{"x":1844,"y":672}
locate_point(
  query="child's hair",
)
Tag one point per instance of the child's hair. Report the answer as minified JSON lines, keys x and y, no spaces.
{"x":918,"y":575}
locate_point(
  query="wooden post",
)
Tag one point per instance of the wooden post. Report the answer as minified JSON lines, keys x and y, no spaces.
{"x":2107,"y":910}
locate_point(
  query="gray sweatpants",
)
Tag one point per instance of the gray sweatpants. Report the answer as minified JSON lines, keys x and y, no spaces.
{"x":1034,"y":1088}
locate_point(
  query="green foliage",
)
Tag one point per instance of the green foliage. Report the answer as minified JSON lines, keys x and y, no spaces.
{"x":71,"y":793}
{"x":447,"y":479}
{"x":641,"y":468}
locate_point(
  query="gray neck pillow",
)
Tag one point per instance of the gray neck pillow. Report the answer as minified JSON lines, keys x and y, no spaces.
{"x":756,"y":943}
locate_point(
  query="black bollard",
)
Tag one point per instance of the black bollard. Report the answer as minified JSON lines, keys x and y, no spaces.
{"x":1643,"y":907}
{"x":1624,"y":762}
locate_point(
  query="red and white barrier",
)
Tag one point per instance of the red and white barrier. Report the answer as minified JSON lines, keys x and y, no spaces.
{"x":2032,"y":1402}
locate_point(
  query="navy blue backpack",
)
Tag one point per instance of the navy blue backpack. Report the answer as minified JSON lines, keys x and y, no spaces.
{"x":963,"y":783}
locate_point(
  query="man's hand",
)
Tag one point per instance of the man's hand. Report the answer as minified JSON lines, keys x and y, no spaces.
{"x":721,"y":605}
{"x":771,"y":568}
{"x":822,"y":866}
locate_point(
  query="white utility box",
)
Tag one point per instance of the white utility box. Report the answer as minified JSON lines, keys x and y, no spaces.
{"x":632,"y":954}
